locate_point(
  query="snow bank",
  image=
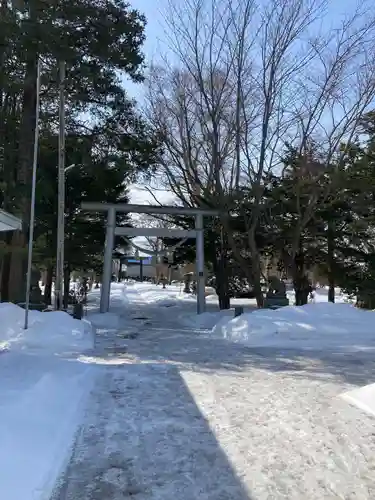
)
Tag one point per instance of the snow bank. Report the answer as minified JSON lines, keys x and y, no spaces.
{"x":321,"y":295}
{"x":41,"y":405}
{"x":313,"y":326}
{"x":55,"y":332}
{"x":147,"y":293}
{"x":363,"y":398}
{"x":107,"y":321}
{"x":207,"y":320}
{"x":41,"y":398}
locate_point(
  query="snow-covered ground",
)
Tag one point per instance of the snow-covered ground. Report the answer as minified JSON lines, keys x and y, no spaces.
{"x":42,"y":395}
{"x":179,"y":409}
{"x":314,"y":326}
{"x":180,"y":412}
{"x":53,"y":331}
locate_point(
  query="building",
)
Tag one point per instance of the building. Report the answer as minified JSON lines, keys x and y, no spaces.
{"x":9,"y":222}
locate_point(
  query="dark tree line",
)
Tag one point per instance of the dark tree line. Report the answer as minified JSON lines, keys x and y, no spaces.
{"x":336,"y":240}
{"x":107,"y":141}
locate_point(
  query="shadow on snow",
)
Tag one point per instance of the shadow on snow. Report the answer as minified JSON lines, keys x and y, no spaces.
{"x":145,"y":438}
{"x":163,"y":338}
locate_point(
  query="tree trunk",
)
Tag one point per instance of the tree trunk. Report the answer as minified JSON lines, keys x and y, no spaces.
{"x":221,"y":280}
{"x":300,"y":280}
{"x":331,"y":261}
{"x":222,"y":290}
{"x":224,"y":301}
{"x":66,"y":285}
{"x":221,"y":274}
{"x":25,"y":160}
{"x":48,"y":286}
{"x":301,"y":291}
{"x":5,"y":271}
{"x":257,"y":287}
{"x":255,"y":276}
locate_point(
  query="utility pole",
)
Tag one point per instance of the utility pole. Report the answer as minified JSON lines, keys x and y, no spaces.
{"x":59,"y":288}
{"x":32,"y":207}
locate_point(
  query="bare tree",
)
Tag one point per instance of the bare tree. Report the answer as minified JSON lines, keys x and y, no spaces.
{"x":332,"y":102}
{"x":245,"y":80}
{"x":153,"y":243}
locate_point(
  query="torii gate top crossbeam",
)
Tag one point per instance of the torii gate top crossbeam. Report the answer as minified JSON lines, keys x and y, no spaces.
{"x":149,"y":209}
{"x":111,"y":230}
{"x":155,"y":232}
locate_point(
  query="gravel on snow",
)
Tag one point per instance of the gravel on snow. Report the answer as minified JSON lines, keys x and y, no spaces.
{"x":178,"y":415}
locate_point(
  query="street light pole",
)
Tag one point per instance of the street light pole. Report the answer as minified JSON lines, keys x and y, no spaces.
{"x":32,"y":207}
{"x":59,"y":288}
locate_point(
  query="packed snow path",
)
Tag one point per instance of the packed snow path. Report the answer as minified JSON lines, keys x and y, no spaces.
{"x":176,"y":415}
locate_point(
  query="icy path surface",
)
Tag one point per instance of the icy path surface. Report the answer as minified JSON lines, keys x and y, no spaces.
{"x":177,"y":415}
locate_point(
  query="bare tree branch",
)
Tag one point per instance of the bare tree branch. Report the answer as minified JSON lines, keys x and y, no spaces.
{"x":246,"y":80}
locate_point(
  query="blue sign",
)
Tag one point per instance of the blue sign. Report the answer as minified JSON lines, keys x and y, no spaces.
{"x":147,"y":261}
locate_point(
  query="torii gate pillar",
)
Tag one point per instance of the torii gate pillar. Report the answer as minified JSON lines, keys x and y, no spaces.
{"x":111,"y":231}
{"x":201,"y":288}
{"x":107,"y":264}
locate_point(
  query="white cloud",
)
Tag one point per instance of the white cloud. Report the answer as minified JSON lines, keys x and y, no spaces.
{"x":141,"y":195}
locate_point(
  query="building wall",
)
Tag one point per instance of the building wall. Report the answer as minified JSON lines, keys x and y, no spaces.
{"x":134,"y":271}
{"x":158,"y":270}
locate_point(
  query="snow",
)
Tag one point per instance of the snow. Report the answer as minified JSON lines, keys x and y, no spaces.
{"x":52,"y":331}
{"x":167,"y":404}
{"x":38,"y":420}
{"x":105,"y":320}
{"x":148,"y":293}
{"x":313,"y":326}
{"x":363,"y":398}
{"x":207,"y":320}
{"x":183,"y":413}
{"x":321,"y":295}
{"x":43,"y":388}
{"x":144,"y":437}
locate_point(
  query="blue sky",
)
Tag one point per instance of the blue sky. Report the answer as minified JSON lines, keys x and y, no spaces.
{"x":154,"y":11}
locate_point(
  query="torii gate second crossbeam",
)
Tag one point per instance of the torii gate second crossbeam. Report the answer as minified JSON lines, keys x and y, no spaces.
{"x":112,"y":230}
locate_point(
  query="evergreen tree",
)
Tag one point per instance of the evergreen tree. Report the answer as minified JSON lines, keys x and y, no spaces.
{"x":100,"y":43}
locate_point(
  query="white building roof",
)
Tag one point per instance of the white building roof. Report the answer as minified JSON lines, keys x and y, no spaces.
{"x":9,"y":222}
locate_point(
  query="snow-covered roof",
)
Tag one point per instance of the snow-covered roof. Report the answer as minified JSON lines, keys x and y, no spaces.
{"x":9,"y":222}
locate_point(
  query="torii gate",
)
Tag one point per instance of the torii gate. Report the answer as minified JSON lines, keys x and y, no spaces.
{"x":112,"y":230}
